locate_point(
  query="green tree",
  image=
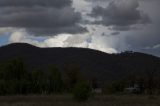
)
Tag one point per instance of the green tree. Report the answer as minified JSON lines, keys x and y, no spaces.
{"x":114,"y":87}
{"x":82,"y":91}
{"x":73,"y":75}
{"x":38,"y":81}
{"x":2,"y":87}
{"x":55,"y":80}
{"x":12,"y":73}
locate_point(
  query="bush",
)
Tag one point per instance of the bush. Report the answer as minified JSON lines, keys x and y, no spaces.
{"x":82,"y":91}
{"x":109,"y":90}
{"x":113,"y":88}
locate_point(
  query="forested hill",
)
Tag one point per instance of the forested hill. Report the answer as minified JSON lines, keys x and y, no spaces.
{"x":93,"y":63}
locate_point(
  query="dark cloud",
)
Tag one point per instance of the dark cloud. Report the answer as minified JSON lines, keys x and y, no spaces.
{"x":48,"y":31}
{"x":115,"y":33}
{"x":97,"y":0}
{"x":40,"y":16}
{"x":121,"y":15}
{"x":146,"y":40}
{"x":118,"y":0}
{"x":31,"y":3}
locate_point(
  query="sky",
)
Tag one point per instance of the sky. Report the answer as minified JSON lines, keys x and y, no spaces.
{"x":111,"y":26}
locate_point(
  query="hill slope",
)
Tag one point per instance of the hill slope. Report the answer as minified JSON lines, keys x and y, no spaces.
{"x":93,"y":63}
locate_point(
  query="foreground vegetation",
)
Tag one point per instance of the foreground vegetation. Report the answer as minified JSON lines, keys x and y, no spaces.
{"x":16,"y":79}
{"x":66,"y":100}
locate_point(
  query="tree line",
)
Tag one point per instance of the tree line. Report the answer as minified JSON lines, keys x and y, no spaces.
{"x":15,"y":79}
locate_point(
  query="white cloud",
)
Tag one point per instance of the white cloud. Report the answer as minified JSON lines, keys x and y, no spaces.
{"x":22,"y":36}
{"x":4,"y":30}
{"x":18,"y":36}
{"x":66,"y":40}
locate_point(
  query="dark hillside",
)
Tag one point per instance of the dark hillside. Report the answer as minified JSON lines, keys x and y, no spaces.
{"x":92,"y":62}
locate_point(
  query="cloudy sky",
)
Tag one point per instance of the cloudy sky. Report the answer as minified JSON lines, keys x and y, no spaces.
{"x":111,"y":26}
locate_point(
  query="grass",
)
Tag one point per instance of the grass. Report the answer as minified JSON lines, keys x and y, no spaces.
{"x":67,"y":100}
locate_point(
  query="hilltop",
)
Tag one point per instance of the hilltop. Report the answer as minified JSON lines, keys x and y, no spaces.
{"x":93,"y":63}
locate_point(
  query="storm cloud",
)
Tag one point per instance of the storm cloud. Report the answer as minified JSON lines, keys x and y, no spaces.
{"x":120,"y":15}
{"x":107,"y":25}
{"x":41,"y":17}
{"x":31,"y":3}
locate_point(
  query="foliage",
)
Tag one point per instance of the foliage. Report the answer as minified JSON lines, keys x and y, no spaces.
{"x":73,"y":76}
{"x":15,"y":79}
{"x":12,"y":77}
{"x":55,"y":80}
{"x":82,"y":91}
{"x":113,"y":88}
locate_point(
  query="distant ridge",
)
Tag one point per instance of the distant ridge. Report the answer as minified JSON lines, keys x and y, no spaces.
{"x":17,"y":45}
{"x":93,"y":63}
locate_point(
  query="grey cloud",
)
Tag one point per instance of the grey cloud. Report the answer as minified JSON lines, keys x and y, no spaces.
{"x":121,"y":15}
{"x":117,"y":0}
{"x":49,"y":31}
{"x":30,"y":3}
{"x":97,"y":0}
{"x":115,"y":33}
{"x":41,"y":16}
{"x":146,"y":40}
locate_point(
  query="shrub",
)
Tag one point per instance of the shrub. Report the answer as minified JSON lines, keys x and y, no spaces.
{"x":113,"y":88}
{"x":82,"y":91}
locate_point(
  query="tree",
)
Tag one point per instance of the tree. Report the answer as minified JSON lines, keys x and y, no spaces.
{"x":73,"y":75}
{"x":55,"y":80}
{"x":114,"y":87}
{"x":12,"y":75}
{"x":151,"y":72}
{"x":82,"y":91}
{"x":2,"y":87}
{"x":38,"y":81}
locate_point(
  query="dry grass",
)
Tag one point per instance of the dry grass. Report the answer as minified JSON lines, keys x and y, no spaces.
{"x":66,"y":100}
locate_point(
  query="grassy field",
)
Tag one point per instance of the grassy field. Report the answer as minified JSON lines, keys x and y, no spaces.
{"x":66,"y":100}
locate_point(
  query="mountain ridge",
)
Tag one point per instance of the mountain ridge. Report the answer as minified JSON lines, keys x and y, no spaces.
{"x":93,"y":63}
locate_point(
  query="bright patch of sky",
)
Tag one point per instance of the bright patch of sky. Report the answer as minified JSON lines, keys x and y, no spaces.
{"x":4,"y":39}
